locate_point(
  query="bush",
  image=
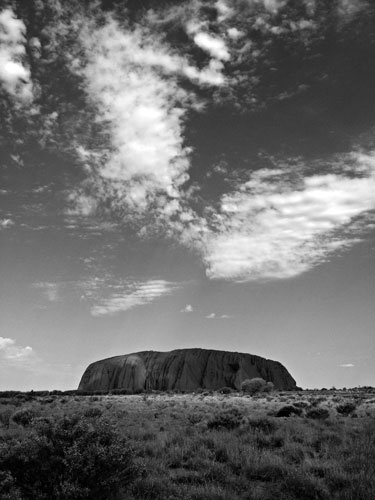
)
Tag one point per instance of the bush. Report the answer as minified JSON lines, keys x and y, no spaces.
{"x":269,"y":387}
{"x":300,"y":486}
{"x":227,"y":419}
{"x":263,"y":424}
{"x":225,"y":390}
{"x":70,"y":459}
{"x":254,"y":385}
{"x":5,"y":417}
{"x":23,"y":417}
{"x":93,"y":412}
{"x":287,"y":411}
{"x":345,"y":408}
{"x":318,"y":413}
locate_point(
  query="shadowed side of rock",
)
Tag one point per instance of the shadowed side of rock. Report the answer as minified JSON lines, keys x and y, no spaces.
{"x":182,"y":370}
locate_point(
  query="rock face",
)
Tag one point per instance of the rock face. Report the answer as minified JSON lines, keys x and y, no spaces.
{"x":182,"y":370}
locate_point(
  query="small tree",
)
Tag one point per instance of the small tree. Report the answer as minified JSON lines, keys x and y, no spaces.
{"x":254,"y":385}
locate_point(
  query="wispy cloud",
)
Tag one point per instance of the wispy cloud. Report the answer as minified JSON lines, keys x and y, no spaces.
{"x":14,"y":74}
{"x":347,"y":365}
{"x":139,"y":294}
{"x":12,"y":353}
{"x":107,"y":294}
{"x":49,"y":290}
{"x":272,"y":227}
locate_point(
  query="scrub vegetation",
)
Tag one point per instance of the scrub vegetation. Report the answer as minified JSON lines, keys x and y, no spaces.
{"x":223,"y":445}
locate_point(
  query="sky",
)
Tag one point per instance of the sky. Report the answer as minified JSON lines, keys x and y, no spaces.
{"x":187,"y":174}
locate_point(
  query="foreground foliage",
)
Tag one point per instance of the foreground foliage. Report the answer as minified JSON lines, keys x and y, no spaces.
{"x":70,"y":458}
{"x":206,"y":446}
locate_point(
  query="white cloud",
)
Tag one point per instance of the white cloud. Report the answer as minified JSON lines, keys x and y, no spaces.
{"x":143,"y":116}
{"x":235,"y":34}
{"x":14,"y":74}
{"x":187,"y":309}
{"x":12,"y":353}
{"x":139,"y":294}
{"x":270,"y":228}
{"x":224,"y":11}
{"x":347,"y":365}
{"x":6,"y":223}
{"x":273,"y":5}
{"x":215,"y":46}
{"x":132,"y":79}
{"x":216,"y":316}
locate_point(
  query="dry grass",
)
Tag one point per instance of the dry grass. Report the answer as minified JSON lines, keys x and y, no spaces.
{"x":232,"y":446}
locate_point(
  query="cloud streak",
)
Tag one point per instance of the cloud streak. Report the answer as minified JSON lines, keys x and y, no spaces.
{"x":139,"y":294}
{"x":107,"y":295}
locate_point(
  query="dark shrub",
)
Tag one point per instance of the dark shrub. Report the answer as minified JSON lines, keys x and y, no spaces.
{"x":226,"y":419}
{"x":70,"y":459}
{"x":194,"y":418}
{"x":121,"y":392}
{"x":5,"y":417}
{"x":267,"y":471}
{"x":221,"y":455}
{"x":303,"y":487}
{"x":265,"y":425}
{"x":23,"y":417}
{"x":318,"y":413}
{"x":93,"y":412}
{"x":287,"y":411}
{"x":346,"y":408}
{"x":225,"y":390}
{"x":301,"y":404}
{"x":8,"y":490}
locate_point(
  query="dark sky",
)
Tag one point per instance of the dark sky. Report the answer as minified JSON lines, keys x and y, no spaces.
{"x":187,"y":174}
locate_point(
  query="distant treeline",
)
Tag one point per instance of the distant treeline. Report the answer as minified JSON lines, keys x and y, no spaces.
{"x":72,"y":392}
{"x":128,"y":392}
